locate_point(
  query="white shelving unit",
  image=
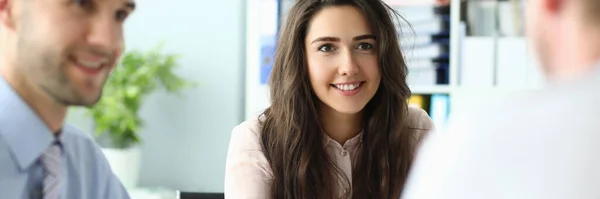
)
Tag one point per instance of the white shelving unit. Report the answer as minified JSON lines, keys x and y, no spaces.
{"x":433,"y":89}
{"x":481,"y":67}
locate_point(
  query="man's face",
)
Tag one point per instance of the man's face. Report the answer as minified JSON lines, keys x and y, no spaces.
{"x":535,"y":30}
{"x":67,"y":48}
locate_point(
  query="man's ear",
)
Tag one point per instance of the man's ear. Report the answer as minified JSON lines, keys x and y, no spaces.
{"x":7,"y":18}
{"x":554,"y":7}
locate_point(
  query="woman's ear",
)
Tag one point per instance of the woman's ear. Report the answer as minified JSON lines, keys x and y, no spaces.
{"x":7,"y":18}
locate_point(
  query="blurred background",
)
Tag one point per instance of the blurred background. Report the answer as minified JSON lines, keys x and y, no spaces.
{"x":167,"y":113}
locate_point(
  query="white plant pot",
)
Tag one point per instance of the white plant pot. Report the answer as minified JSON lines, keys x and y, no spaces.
{"x":125,"y":164}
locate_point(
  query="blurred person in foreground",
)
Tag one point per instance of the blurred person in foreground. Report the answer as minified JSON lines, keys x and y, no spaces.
{"x":55,"y":54}
{"x":545,"y":144}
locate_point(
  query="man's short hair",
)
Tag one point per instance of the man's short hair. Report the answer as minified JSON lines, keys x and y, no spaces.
{"x":591,"y":10}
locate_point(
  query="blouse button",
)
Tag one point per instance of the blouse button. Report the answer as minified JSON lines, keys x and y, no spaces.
{"x":344,"y":153}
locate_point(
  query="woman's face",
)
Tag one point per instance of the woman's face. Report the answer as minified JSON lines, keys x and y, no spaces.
{"x":342,"y":59}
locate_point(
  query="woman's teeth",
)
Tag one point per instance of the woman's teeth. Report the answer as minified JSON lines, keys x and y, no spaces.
{"x":347,"y":87}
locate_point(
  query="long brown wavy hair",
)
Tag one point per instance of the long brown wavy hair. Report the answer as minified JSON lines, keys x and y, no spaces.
{"x":292,"y":135}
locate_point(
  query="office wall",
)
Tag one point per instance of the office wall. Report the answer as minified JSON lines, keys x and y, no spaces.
{"x":186,"y":150}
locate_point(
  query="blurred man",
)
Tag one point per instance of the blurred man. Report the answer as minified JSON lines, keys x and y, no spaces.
{"x":544,"y":145}
{"x":442,"y":2}
{"x":55,"y":54}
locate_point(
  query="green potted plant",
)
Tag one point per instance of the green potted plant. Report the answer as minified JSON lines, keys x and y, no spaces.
{"x":116,"y":116}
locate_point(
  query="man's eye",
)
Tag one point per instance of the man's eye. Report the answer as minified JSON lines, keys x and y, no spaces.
{"x":326,"y":48}
{"x":84,"y":3}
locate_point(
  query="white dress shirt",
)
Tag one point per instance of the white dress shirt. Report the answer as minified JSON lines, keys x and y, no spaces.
{"x":540,"y":145}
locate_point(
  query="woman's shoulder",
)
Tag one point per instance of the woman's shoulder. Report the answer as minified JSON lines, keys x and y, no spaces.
{"x":418,"y":119}
{"x":247,"y":170}
{"x":420,"y":123}
{"x":246,"y":135}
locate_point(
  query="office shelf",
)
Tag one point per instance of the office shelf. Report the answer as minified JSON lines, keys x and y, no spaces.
{"x":432,"y":89}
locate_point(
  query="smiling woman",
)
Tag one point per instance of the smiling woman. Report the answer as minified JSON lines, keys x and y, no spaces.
{"x":342,"y":59}
{"x":338,"y":124}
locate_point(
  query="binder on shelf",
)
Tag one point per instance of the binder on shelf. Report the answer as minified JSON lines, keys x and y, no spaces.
{"x":415,"y":41}
{"x":422,"y":75}
{"x":430,"y":26}
{"x":426,"y":52}
{"x":424,"y":34}
{"x":411,"y":13}
{"x":439,"y":110}
{"x":411,"y":41}
{"x":416,"y":101}
{"x":443,"y":74}
{"x":409,"y":2}
{"x":419,"y":101}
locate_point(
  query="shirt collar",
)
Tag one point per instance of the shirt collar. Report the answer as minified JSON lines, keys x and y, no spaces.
{"x":589,"y":78}
{"x":349,"y":143}
{"x":26,"y":135}
{"x":597,"y":67}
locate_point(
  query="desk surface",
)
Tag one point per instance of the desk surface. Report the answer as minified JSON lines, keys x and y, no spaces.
{"x":145,"y":193}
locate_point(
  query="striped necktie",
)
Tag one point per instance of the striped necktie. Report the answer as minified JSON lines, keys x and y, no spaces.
{"x":51,"y":161}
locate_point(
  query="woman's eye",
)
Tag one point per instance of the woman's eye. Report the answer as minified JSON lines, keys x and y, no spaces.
{"x":121,"y":15}
{"x":365,"y":46}
{"x":326,"y":48}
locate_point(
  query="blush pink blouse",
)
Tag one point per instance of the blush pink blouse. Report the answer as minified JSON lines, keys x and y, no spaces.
{"x":248,"y":174}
